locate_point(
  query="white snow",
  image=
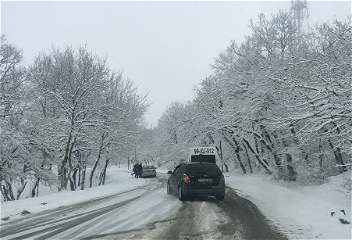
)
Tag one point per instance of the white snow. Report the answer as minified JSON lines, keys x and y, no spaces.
{"x":300,"y":212}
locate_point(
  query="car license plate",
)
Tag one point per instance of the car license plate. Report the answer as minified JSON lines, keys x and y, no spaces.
{"x":204,"y":180}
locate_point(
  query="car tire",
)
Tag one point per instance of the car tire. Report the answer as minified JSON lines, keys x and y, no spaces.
{"x":192,"y":198}
{"x":181,"y":196}
{"x":168,"y":190}
{"x":220,"y":197}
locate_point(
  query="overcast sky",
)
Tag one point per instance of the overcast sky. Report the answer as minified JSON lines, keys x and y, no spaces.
{"x":165,"y":48}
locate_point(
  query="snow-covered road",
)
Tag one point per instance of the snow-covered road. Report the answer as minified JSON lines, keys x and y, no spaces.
{"x":140,"y":208}
{"x":124,"y":213}
{"x":144,"y":211}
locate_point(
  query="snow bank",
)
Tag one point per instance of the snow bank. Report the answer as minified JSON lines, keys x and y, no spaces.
{"x":300,"y":212}
{"x":117,"y":180}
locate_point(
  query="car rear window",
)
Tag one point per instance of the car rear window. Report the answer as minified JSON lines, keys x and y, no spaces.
{"x":148,"y":167}
{"x":203,"y":158}
{"x":204,"y":168}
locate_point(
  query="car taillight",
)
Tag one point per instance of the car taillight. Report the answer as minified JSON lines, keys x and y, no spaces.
{"x":153,"y":171}
{"x":185,"y":178}
{"x":222,"y":179}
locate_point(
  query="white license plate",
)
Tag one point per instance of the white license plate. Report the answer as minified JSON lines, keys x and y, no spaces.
{"x":204,"y":180}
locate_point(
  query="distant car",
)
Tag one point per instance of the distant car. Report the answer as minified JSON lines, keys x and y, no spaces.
{"x":148,"y":171}
{"x":196,"y":179}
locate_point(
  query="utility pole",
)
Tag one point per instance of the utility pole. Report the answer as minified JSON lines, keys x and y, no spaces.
{"x":135,"y":154}
{"x":299,"y":10}
{"x":128,"y":163}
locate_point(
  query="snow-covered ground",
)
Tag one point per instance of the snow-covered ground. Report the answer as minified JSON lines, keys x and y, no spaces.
{"x":299,"y":212}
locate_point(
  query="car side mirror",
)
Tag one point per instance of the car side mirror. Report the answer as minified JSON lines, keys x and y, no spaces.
{"x":169,"y":172}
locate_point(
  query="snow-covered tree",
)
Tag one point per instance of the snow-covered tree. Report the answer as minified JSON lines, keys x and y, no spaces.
{"x":122,"y":117}
{"x":280,"y":101}
{"x":20,"y":154}
{"x":68,"y":85}
{"x":12,"y":90}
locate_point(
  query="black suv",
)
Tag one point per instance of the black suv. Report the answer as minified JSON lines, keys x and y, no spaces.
{"x":196,"y":179}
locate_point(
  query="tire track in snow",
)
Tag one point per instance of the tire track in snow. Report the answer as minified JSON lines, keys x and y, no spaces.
{"x":165,"y":217}
{"x":63,"y":218}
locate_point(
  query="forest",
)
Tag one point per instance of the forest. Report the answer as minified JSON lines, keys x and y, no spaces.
{"x":279,"y":103}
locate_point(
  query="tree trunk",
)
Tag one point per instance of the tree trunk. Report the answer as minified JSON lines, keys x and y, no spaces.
{"x":226,"y":168}
{"x":83,"y":176}
{"x":74,"y":175}
{"x":63,"y":177}
{"x":35,"y":186}
{"x":249,"y":159}
{"x":103,"y":136}
{"x":237,"y":152}
{"x":103,"y":173}
{"x":272,"y":149}
{"x":6,"y":191}
{"x":338,"y":156}
{"x":79,"y":175}
{"x":21,"y":189}
{"x":69,"y":159}
{"x":10,"y":191}
{"x":296,"y":141}
{"x":106,"y":166}
{"x":266,"y":167}
{"x":95,"y":166}
{"x":219,"y":149}
{"x":261,"y":143}
{"x":292,"y":173}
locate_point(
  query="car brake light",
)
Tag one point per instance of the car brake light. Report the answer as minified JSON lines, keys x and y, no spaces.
{"x":222,"y":179}
{"x":153,"y":171}
{"x":185,"y":178}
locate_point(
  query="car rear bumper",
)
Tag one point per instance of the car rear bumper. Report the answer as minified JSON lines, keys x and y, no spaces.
{"x":148,"y":174}
{"x":213,"y":191}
